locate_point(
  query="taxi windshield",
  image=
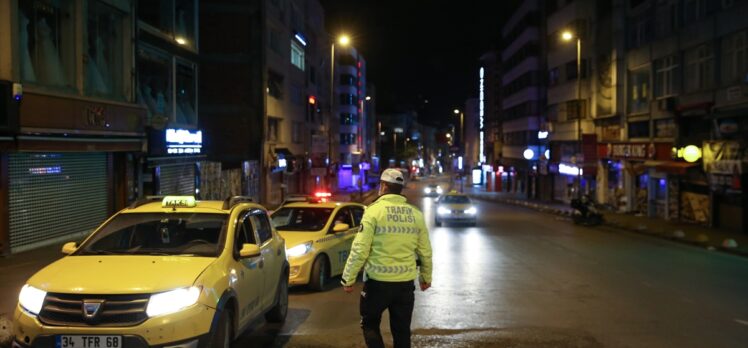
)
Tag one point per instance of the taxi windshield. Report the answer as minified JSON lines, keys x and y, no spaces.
{"x":455,"y":200}
{"x":184,"y":234}
{"x":301,"y":218}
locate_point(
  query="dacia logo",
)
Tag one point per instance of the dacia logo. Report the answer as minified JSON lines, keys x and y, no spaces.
{"x":91,"y":308}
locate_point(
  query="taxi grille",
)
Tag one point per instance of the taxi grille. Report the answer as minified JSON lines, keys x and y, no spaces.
{"x":115,"y":310}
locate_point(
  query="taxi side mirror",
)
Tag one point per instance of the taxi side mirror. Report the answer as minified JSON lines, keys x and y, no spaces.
{"x":69,"y":248}
{"x":249,"y":250}
{"x":341,"y":227}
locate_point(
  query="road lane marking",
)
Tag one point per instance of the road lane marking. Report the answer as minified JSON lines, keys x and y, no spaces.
{"x":744,"y":322}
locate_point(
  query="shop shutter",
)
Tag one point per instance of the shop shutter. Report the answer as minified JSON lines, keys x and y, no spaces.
{"x":177,"y":179}
{"x":55,"y":197}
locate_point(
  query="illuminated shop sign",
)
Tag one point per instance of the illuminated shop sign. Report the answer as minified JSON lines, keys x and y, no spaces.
{"x":183,"y":141}
{"x":569,"y":169}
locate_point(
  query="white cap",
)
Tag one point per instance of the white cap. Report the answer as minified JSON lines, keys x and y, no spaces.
{"x":393,"y":176}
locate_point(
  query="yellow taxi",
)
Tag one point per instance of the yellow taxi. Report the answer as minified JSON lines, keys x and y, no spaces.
{"x":318,"y":238}
{"x":166,"y":272}
{"x":457,"y":208}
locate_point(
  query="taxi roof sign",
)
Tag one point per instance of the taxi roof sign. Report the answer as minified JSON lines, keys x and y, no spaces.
{"x":178,"y":202}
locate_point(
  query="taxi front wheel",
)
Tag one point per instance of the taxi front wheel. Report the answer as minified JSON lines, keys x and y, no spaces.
{"x":318,"y":279}
{"x":225,"y":331}
{"x":278,"y":313}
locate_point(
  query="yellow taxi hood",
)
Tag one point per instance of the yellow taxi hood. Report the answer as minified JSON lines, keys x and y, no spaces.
{"x":294,"y":238}
{"x":115,"y":274}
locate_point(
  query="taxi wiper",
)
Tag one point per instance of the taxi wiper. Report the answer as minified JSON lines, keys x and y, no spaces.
{"x":100,"y":252}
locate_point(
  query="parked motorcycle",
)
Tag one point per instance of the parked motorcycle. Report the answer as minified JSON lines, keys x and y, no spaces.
{"x":586,"y":212}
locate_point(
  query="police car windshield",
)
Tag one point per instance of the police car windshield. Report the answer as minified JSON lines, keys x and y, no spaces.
{"x":301,"y":218}
{"x":159,"y":234}
{"x":455,"y":200}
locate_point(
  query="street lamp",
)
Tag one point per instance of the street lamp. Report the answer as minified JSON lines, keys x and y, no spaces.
{"x":343,"y":40}
{"x":569,"y":36}
{"x":462,"y":128}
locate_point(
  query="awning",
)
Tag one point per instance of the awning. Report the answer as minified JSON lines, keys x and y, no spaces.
{"x":671,"y":167}
{"x":283,"y":151}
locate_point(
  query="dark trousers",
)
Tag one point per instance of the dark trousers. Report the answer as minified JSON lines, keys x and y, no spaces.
{"x":397,"y":298}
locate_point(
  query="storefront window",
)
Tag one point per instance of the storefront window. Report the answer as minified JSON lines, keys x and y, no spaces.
{"x":155,"y":86}
{"x":105,"y":51}
{"x":173,"y":17}
{"x":186,"y":95}
{"x":46,"y":42}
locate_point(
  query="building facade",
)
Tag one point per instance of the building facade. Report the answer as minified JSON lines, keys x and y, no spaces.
{"x":523,"y":99}
{"x":349,"y":118}
{"x":73,"y":133}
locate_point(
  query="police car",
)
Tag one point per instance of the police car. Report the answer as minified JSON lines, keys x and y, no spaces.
{"x":165,"y":272}
{"x":457,"y":208}
{"x":318,"y":236}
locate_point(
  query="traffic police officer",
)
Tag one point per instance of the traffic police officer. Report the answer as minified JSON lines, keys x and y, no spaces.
{"x":392,"y":233}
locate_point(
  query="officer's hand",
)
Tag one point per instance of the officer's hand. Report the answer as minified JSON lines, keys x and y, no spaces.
{"x":348,"y":289}
{"x":425,"y":286}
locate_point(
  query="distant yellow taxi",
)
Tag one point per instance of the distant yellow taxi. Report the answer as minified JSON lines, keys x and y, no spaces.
{"x":454,"y":207}
{"x":165,"y":272}
{"x":318,"y":238}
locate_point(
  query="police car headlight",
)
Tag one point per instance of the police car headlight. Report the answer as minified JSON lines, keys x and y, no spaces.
{"x":471,"y":211}
{"x":439,"y":190}
{"x":427,"y":190}
{"x":172,"y":301}
{"x":442,"y":211}
{"x":299,"y":250}
{"x":31,"y":299}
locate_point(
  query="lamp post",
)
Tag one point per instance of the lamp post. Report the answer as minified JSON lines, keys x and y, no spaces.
{"x":462,"y":129}
{"x":569,"y":36}
{"x":343,"y":40}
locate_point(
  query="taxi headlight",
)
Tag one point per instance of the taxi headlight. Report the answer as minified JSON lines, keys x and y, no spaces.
{"x":31,"y":299}
{"x":299,"y":250}
{"x":442,"y":211}
{"x":427,"y":190}
{"x":172,"y":301}
{"x":471,"y":211}
{"x":439,"y":190}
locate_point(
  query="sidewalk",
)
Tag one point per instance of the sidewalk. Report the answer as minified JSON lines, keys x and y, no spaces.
{"x":710,"y":238}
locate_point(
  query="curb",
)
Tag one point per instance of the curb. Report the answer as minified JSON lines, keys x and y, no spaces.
{"x":728,"y":246}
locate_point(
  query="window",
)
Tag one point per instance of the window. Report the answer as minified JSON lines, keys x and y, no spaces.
{"x":347,"y":119}
{"x":296,"y":132}
{"x":639,"y":90}
{"x":693,"y":10}
{"x":46,"y":38}
{"x":275,"y":85}
{"x":347,"y":80}
{"x":347,"y":138}
{"x":343,"y":217}
{"x":186,"y":96}
{"x":667,"y":19}
{"x":664,"y":128}
{"x":576,"y":109}
{"x":553,"y":76}
{"x":571,"y":69}
{"x":296,"y":94}
{"x":639,"y":129}
{"x":244,"y":235}
{"x":104,"y":58}
{"x":346,"y":59}
{"x":297,"y":55}
{"x":275,"y":41}
{"x":666,"y":70}
{"x":735,"y":57}
{"x":155,"y":82}
{"x":175,"y":18}
{"x":348,"y":99}
{"x":273,"y":129}
{"x":699,"y":68}
{"x":262,"y":225}
{"x":301,"y":219}
{"x":312,"y":75}
{"x":358,"y":214}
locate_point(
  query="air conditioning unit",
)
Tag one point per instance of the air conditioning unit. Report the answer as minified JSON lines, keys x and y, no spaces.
{"x":666,"y":104}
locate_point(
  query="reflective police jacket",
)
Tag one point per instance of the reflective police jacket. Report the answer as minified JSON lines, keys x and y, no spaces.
{"x":392,"y":233}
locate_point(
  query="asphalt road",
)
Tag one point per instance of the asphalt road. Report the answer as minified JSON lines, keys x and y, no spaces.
{"x":527,"y":279}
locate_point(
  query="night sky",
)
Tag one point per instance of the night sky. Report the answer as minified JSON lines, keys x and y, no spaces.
{"x":420,"y":49}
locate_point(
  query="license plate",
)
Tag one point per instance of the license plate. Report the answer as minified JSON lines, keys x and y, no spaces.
{"x":89,"y":341}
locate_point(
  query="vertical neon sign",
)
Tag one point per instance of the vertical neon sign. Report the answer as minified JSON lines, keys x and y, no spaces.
{"x":480,"y":115}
